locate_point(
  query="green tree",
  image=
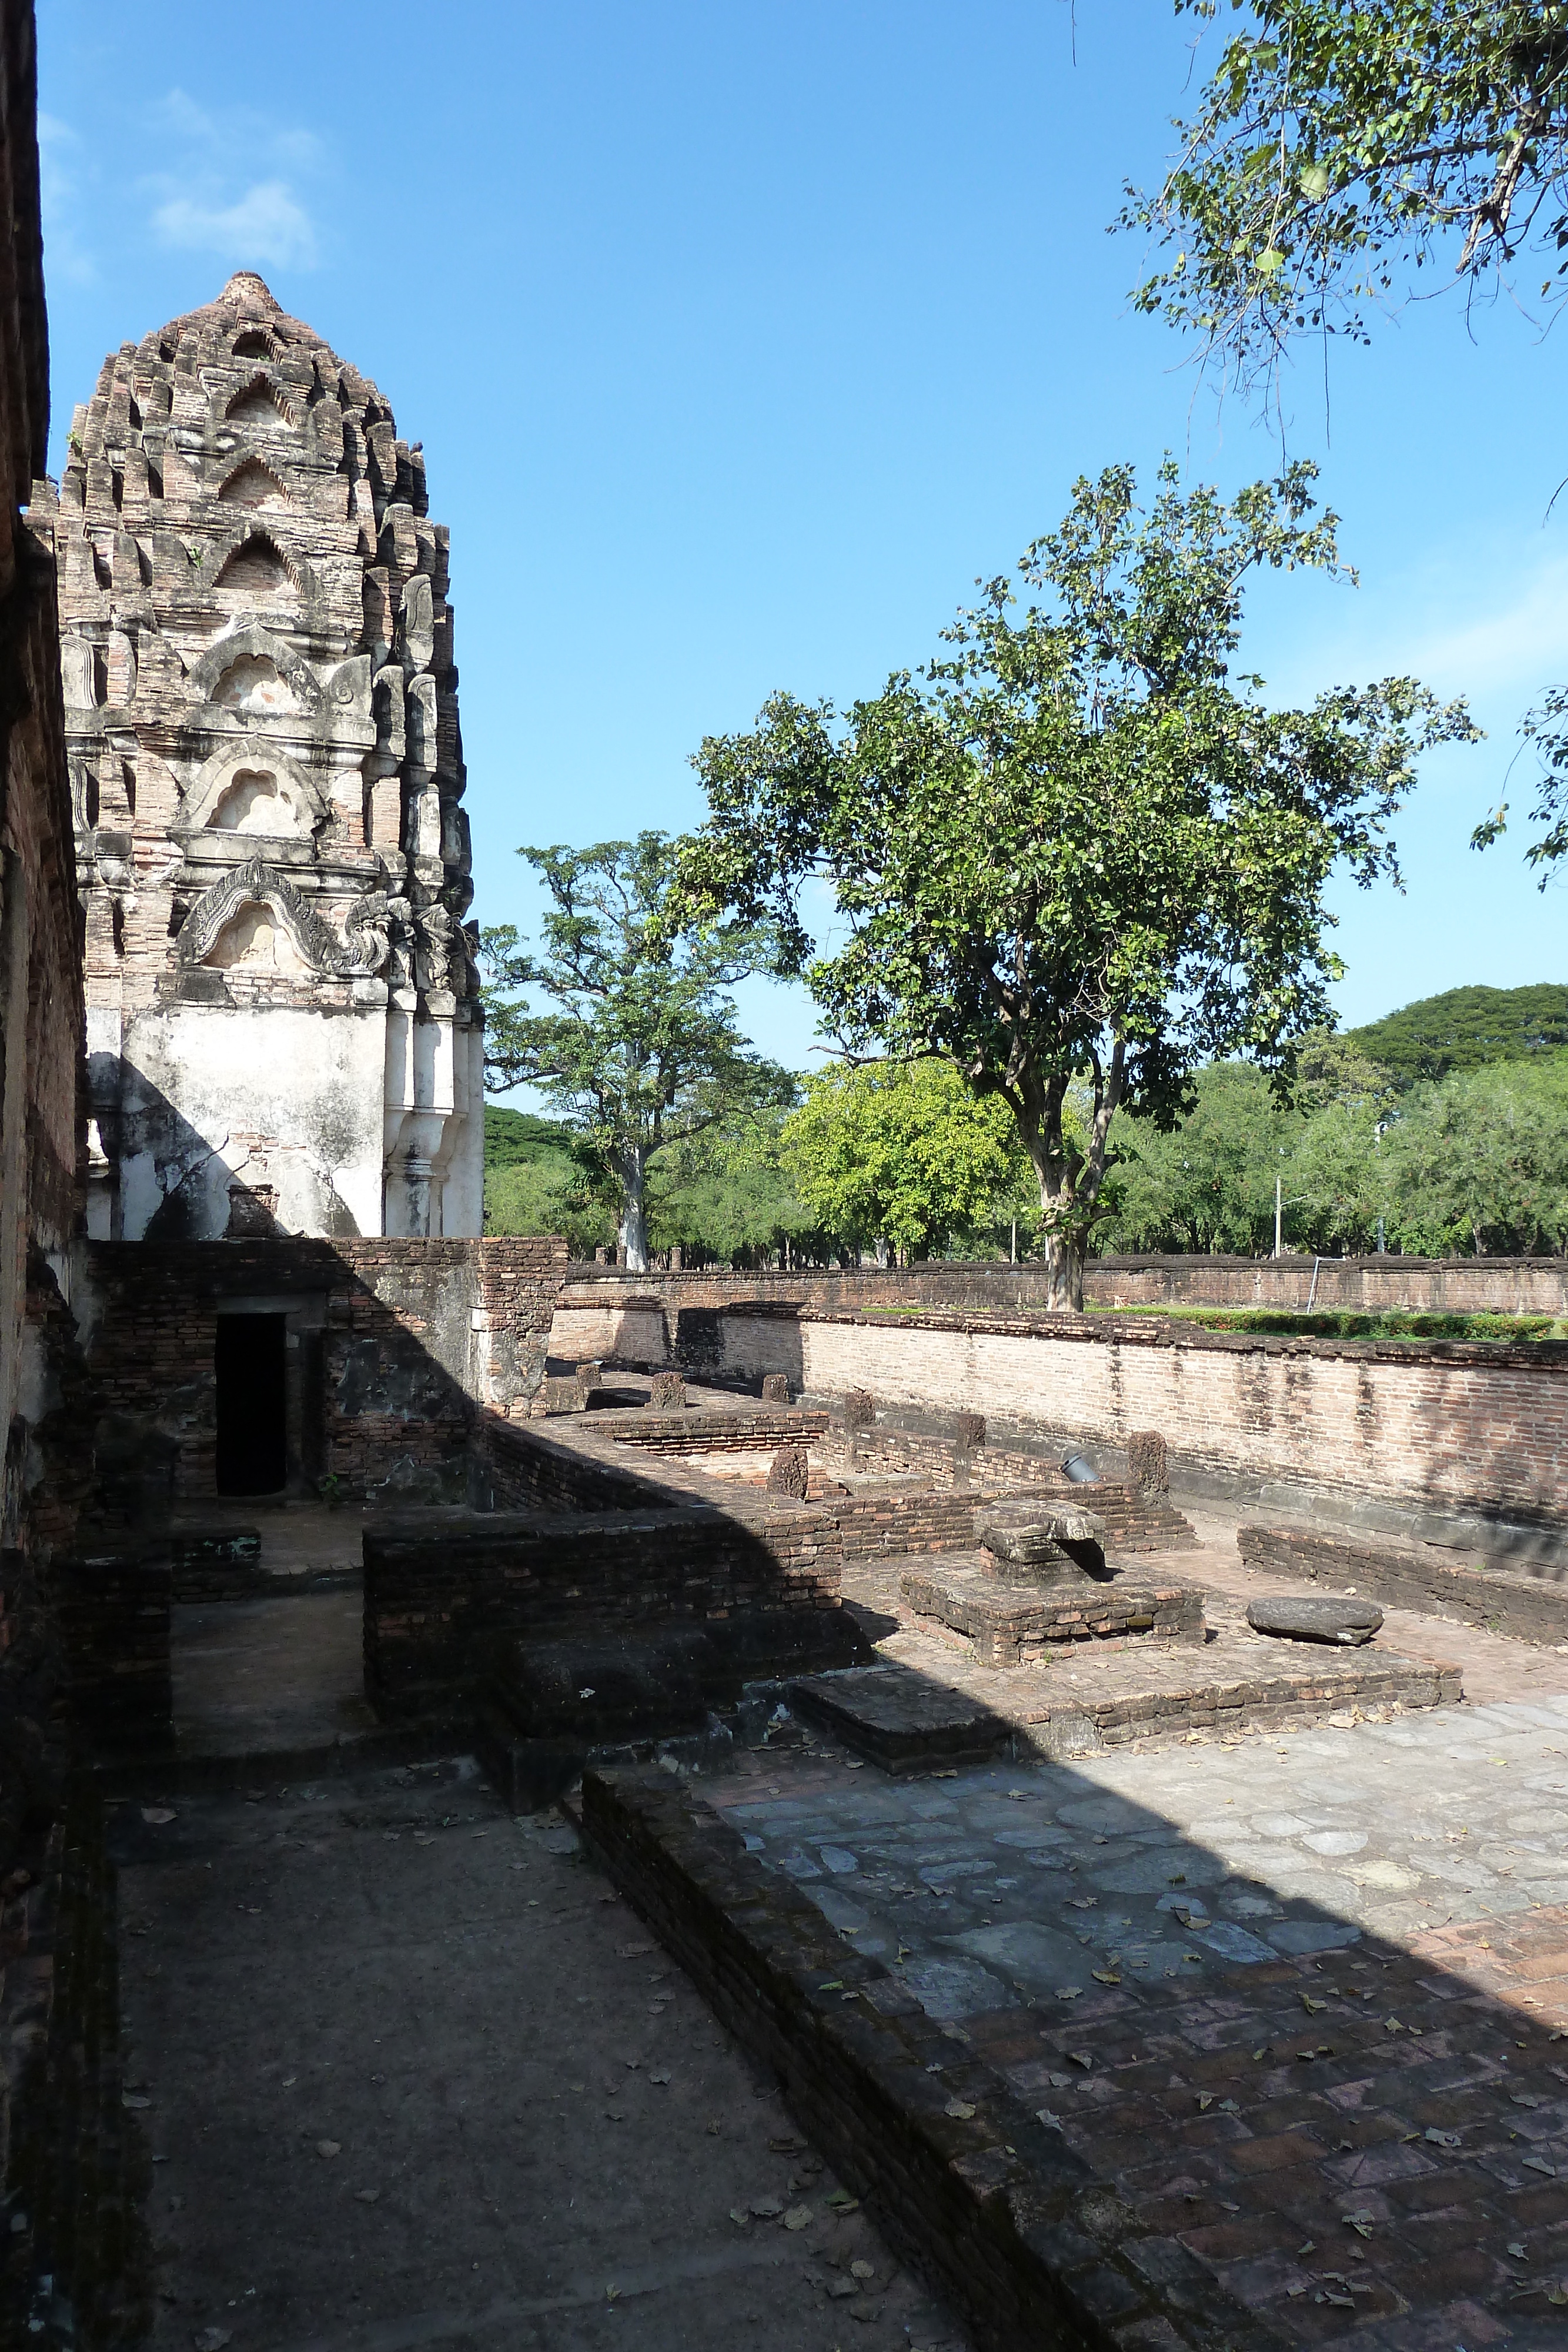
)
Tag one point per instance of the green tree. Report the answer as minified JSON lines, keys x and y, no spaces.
{"x":1335,"y":1177}
{"x":900,"y":1152}
{"x":1464,"y":1028}
{"x":1206,"y":1183}
{"x":642,"y":1050}
{"x":1341,"y":148}
{"x":1479,"y":1162}
{"x":725,"y":1194}
{"x":1338,"y":152}
{"x":1071,"y":850}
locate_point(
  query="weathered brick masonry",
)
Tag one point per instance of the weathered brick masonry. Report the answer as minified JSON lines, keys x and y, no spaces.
{"x":66,"y":2169}
{"x":416,"y":1341}
{"x":441,"y":1599}
{"x":1401,"y":1433}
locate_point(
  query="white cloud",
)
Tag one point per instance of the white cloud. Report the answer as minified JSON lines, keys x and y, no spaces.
{"x":267,"y":223}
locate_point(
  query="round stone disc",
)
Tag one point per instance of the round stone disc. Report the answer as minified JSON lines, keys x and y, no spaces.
{"x":1315,"y":1617}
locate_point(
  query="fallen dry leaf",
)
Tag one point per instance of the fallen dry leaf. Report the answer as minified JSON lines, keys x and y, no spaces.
{"x":962,"y":2109}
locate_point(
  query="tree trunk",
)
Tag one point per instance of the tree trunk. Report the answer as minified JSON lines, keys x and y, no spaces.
{"x":1064,"y":1258}
{"x":634,"y":1215}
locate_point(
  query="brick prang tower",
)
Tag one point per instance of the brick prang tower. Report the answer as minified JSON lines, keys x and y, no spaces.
{"x":261,"y":709}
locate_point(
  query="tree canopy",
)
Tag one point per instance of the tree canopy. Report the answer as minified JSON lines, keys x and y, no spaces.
{"x":1342,"y":148}
{"x":1463,"y":1029}
{"x":1071,"y":849}
{"x":643,"y":1049}
{"x":903,"y":1153}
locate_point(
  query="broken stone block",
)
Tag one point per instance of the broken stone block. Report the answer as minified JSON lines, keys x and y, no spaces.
{"x":860,"y":1409}
{"x":557,"y":1396}
{"x":969,"y":1431}
{"x":775,"y":1388}
{"x":1147,"y":1461}
{"x":1026,"y":1542}
{"x":1315,"y":1617}
{"x":668,"y":1394}
{"x":587,"y":1379}
{"x":790,"y":1473}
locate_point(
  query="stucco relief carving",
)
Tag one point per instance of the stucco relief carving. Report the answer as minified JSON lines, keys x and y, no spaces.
{"x":297,"y":797}
{"x":257,"y":884}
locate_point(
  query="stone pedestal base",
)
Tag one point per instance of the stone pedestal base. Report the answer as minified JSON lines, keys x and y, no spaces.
{"x":1015,"y":1625}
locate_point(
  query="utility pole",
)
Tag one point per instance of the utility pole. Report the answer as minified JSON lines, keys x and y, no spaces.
{"x":1278,"y":1221}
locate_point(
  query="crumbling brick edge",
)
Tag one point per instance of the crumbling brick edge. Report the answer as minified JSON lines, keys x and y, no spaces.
{"x":970,"y":2188}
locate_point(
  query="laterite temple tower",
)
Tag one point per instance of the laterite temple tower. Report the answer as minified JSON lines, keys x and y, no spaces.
{"x":267,"y":770}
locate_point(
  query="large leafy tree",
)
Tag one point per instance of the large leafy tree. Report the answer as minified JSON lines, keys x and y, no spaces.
{"x":1073,"y":849}
{"x":642,"y":1048}
{"x":1207,"y":1183}
{"x":725,"y":1194}
{"x":903,"y":1153}
{"x":1345,"y":153}
{"x":1340,"y":148}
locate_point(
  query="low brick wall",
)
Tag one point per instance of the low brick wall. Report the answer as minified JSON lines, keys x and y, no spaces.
{"x":1513,"y":1285}
{"x":993,"y":2205}
{"x":443,"y":1590}
{"x":1467,"y":1439}
{"x":708,"y":1433}
{"x":1530,"y":1608}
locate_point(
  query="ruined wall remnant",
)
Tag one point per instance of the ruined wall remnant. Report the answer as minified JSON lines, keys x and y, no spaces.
{"x":261,"y":714}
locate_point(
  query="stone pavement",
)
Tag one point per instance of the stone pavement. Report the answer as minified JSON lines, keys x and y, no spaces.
{"x":413,"y":2076}
{"x":1303,"y":1997}
{"x":269,"y":1676}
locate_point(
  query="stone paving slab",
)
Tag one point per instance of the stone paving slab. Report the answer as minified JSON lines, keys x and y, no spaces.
{"x":930,"y":1698}
{"x":1301,"y":2000}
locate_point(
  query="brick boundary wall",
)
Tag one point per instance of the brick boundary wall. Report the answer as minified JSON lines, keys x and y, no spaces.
{"x":994,"y":2206}
{"x":1516,"y":1286}
{"x":1463,"y":1440}
{"x":1529,"y":1608}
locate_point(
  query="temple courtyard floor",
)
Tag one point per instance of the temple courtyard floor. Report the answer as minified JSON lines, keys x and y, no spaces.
{"x":1294,"y":2000}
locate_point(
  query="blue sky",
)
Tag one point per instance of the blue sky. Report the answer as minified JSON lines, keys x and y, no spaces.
{"x":742,"y":338}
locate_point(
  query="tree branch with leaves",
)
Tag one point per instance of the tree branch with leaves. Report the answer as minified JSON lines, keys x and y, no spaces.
{"x":1339,"y":151}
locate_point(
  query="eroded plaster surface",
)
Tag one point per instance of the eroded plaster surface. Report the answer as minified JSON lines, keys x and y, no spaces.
{"x":267,"y":770}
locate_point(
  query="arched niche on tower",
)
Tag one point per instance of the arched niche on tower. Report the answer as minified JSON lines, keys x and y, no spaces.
{"x":252,"y":565}
{"x":262,"y":403}
{"x":254,"y":486}
{"x":251,"y":787}
{"x":256,"y":674}
{"x":253,"y":917}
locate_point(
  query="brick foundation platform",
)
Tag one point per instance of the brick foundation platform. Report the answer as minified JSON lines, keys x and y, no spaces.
{"x":1015,"y":1625}
{"x":920,"y":1706}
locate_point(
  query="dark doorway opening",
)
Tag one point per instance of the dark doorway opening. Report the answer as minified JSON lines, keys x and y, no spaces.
{"x":253,"y":1440}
